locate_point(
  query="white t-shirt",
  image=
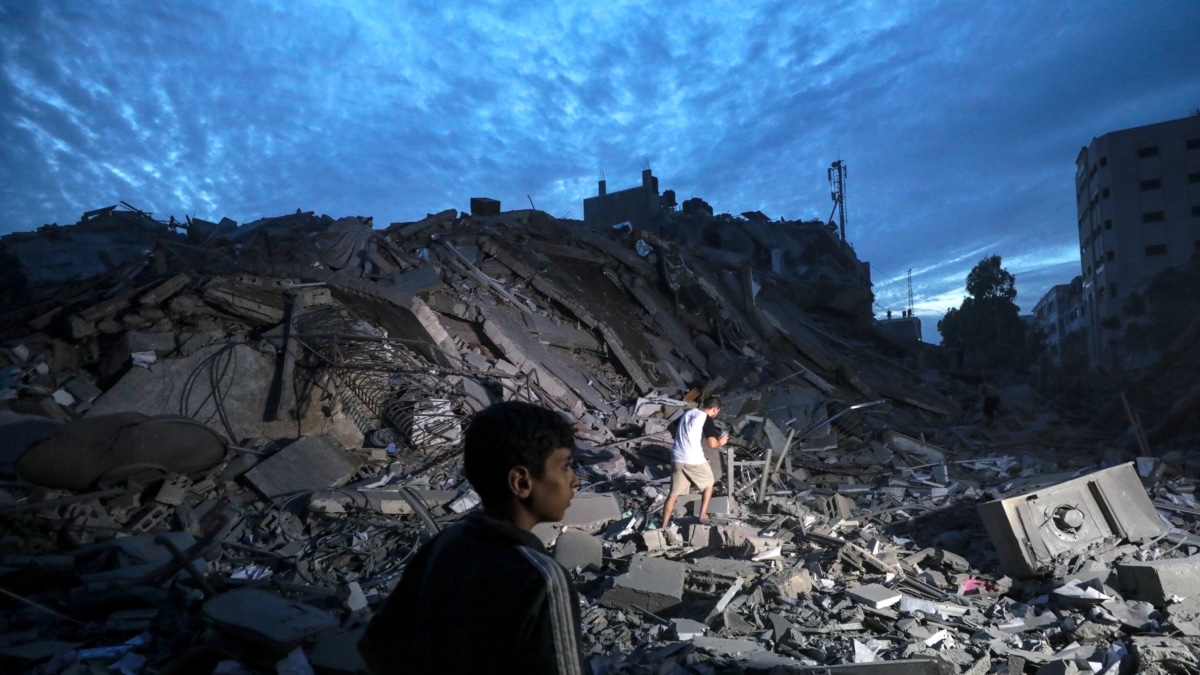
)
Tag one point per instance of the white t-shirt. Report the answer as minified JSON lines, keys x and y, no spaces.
{"x":687,"y":448}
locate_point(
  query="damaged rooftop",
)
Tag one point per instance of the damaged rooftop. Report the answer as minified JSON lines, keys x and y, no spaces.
{"x":201,"y":419}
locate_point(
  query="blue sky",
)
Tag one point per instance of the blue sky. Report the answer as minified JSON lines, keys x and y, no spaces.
{"x":959,"y":122}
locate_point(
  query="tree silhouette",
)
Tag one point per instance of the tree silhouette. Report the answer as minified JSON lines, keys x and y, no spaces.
{"x":988,"y":322}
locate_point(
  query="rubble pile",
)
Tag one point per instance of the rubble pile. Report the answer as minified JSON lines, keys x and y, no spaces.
{"x":223,"y":443}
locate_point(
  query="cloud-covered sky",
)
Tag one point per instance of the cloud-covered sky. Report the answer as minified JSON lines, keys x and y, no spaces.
{"x":959,"y":121}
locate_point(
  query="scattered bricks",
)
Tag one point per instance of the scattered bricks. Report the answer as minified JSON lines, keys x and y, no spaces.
{"x":651,"y":584}
{"x":874,"y":596}
{"x":148,"y":519}
{"x":1157,"y":581}
{"x":575,"y":549}
{"x":1151,"y":650}
{"x":835,"y":506}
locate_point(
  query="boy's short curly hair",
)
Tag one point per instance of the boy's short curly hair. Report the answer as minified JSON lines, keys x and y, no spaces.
{"x":508,"y":435}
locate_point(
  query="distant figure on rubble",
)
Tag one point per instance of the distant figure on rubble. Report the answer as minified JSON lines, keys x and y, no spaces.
{"x":688,"y":463}
{"x":482,"y":596}
{"x":991,"y":402}
{"x":959,"y":350}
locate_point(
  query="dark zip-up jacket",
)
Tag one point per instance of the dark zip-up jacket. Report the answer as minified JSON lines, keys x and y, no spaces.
{"x":480,"y":597}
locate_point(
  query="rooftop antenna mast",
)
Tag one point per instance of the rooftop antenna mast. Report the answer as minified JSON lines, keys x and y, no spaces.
{"x":910,"y":292}
{"x":837,"y":190}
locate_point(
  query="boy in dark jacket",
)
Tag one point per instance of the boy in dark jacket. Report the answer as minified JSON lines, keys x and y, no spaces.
{"x":482,"y":596}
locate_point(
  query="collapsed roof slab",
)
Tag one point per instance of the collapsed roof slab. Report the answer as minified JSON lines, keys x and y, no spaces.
{"x":227,"y":382}
{"x":594,"y":308}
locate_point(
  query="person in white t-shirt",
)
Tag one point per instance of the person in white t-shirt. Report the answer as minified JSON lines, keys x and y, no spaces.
{"x":689,"y":466}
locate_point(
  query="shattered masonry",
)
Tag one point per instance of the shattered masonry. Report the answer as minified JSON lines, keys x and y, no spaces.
{"x":223,"y":443}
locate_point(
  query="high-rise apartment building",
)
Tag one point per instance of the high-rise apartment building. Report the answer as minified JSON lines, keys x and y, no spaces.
{"x":1138,"y":198}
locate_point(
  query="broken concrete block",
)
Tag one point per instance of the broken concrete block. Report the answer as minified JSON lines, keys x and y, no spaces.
{"x":719,"y":505}
{"x":791,"y":583}
{"x":1151,"y":650}
{"x":654,"y":540}
{"x":1157,"y":581}
{"x":762,"y":548}
{"x":687,"y":629}
{"x":173,"y":490}
{"x":651,"y":584}
{"x":735,"y":535}
{"x":588,"y":512}
{"x":311,"y":463}
{"x":1031,"y":529}
{"x":267,"y":618}
{"x":83,"y":389}
{"x":575,"y":549}
{"x":875,"y":596}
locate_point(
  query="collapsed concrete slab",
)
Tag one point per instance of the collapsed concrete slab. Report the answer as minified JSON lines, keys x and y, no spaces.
{"x":651,"y":584}
{"x":266,"y":618}
{"x":588,"y":512}
{"x":311,"y":463}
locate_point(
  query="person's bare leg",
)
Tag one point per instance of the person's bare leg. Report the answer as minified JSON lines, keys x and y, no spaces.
{"x":705,"y":498}
{"x":669,"y":509}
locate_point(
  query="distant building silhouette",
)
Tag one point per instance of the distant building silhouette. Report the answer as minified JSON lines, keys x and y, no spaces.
{"x":1060,"y":315}
{"x":638,"y":206}
{"x":1138,"y":198}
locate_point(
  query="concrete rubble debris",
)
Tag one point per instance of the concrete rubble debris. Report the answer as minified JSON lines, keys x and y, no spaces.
{"x":323,"y":370}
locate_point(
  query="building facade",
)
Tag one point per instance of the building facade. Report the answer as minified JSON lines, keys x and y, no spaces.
{"x":1138,"y":198}
{"x":638,"y":206}
{"x":1062,"y":316}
